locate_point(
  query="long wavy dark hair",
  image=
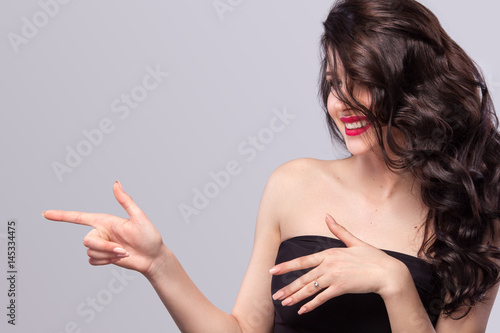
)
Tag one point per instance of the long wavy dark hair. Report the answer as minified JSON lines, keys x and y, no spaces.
{"x":425,"y":87}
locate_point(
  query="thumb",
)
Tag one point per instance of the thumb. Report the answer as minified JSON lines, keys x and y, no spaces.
{"x":126,"y":202}
{"x":341,"y":232}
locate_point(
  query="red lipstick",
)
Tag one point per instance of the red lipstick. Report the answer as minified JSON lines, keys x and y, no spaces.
{"x":355,"y":125}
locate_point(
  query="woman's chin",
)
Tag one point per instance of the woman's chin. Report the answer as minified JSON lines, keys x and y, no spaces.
{"x":358,"y":148}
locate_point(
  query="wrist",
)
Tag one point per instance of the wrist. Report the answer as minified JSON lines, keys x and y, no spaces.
{"x":398,"y":283}
{"x":159,"y":264}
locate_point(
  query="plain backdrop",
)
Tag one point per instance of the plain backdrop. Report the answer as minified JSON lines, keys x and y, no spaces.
{"x":222,"y":71}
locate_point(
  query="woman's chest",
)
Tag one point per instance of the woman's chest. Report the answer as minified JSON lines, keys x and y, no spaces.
{"x":397,"y":224}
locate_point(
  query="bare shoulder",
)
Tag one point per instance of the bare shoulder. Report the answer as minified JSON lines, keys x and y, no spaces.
{"x":303,"y":175}
{"x":301,"y":190}
{"x":289,"y":194}
{"x":297,"y":171}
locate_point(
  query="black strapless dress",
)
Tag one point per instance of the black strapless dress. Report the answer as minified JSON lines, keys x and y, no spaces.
{"x":349,"y":313}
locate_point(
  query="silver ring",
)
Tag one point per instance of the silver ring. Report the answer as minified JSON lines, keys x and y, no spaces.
{"x":316,"y":284}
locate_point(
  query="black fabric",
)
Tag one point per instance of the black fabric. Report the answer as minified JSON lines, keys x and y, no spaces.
{"x":356,"y":313}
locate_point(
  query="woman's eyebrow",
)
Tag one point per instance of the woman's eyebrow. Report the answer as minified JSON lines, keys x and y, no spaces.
{"x":333,"y":75}
{"x":337,"y":74}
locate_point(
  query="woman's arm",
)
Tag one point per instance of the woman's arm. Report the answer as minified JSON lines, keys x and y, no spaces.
{"x":404,"y":306}
{"x":190,"y":309}
{"x":145,"y":252}
{"x":253,"y":310}
{"x":407,"y":314}
{"x":475,"y":321}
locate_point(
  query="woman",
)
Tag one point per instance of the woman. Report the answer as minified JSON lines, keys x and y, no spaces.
{"x":422,"y":183}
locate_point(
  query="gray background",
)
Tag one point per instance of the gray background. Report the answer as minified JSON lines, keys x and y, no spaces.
{"x":226,"y":74}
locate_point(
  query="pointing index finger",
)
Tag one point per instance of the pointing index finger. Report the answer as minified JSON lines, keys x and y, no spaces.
{"x":70,"y":216}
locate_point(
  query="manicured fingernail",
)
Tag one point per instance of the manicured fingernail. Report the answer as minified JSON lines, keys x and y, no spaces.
{"x":278,"y":295}
{"x":121,"y":188}
{"x":119,"y":250}
{"x":286,"y":301}
{"x":302,"y":310}
{"x":274,"y":270}
{"x":330,"y":219}
{"x":43,"y":213}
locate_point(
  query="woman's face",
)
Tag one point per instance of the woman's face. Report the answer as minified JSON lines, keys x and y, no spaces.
{"x":359,"y":135}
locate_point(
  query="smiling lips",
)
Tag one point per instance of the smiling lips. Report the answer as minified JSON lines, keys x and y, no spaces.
{"x":355,"y":125}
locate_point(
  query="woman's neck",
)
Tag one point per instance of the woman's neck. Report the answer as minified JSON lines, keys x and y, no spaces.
{"x":375,"y":181}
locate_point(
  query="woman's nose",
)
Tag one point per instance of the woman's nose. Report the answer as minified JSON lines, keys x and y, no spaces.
{"x":336,"y":104}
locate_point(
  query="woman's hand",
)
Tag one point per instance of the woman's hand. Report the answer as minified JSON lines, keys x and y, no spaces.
{"x":133,"y":243}
{"x":359,"y":268}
